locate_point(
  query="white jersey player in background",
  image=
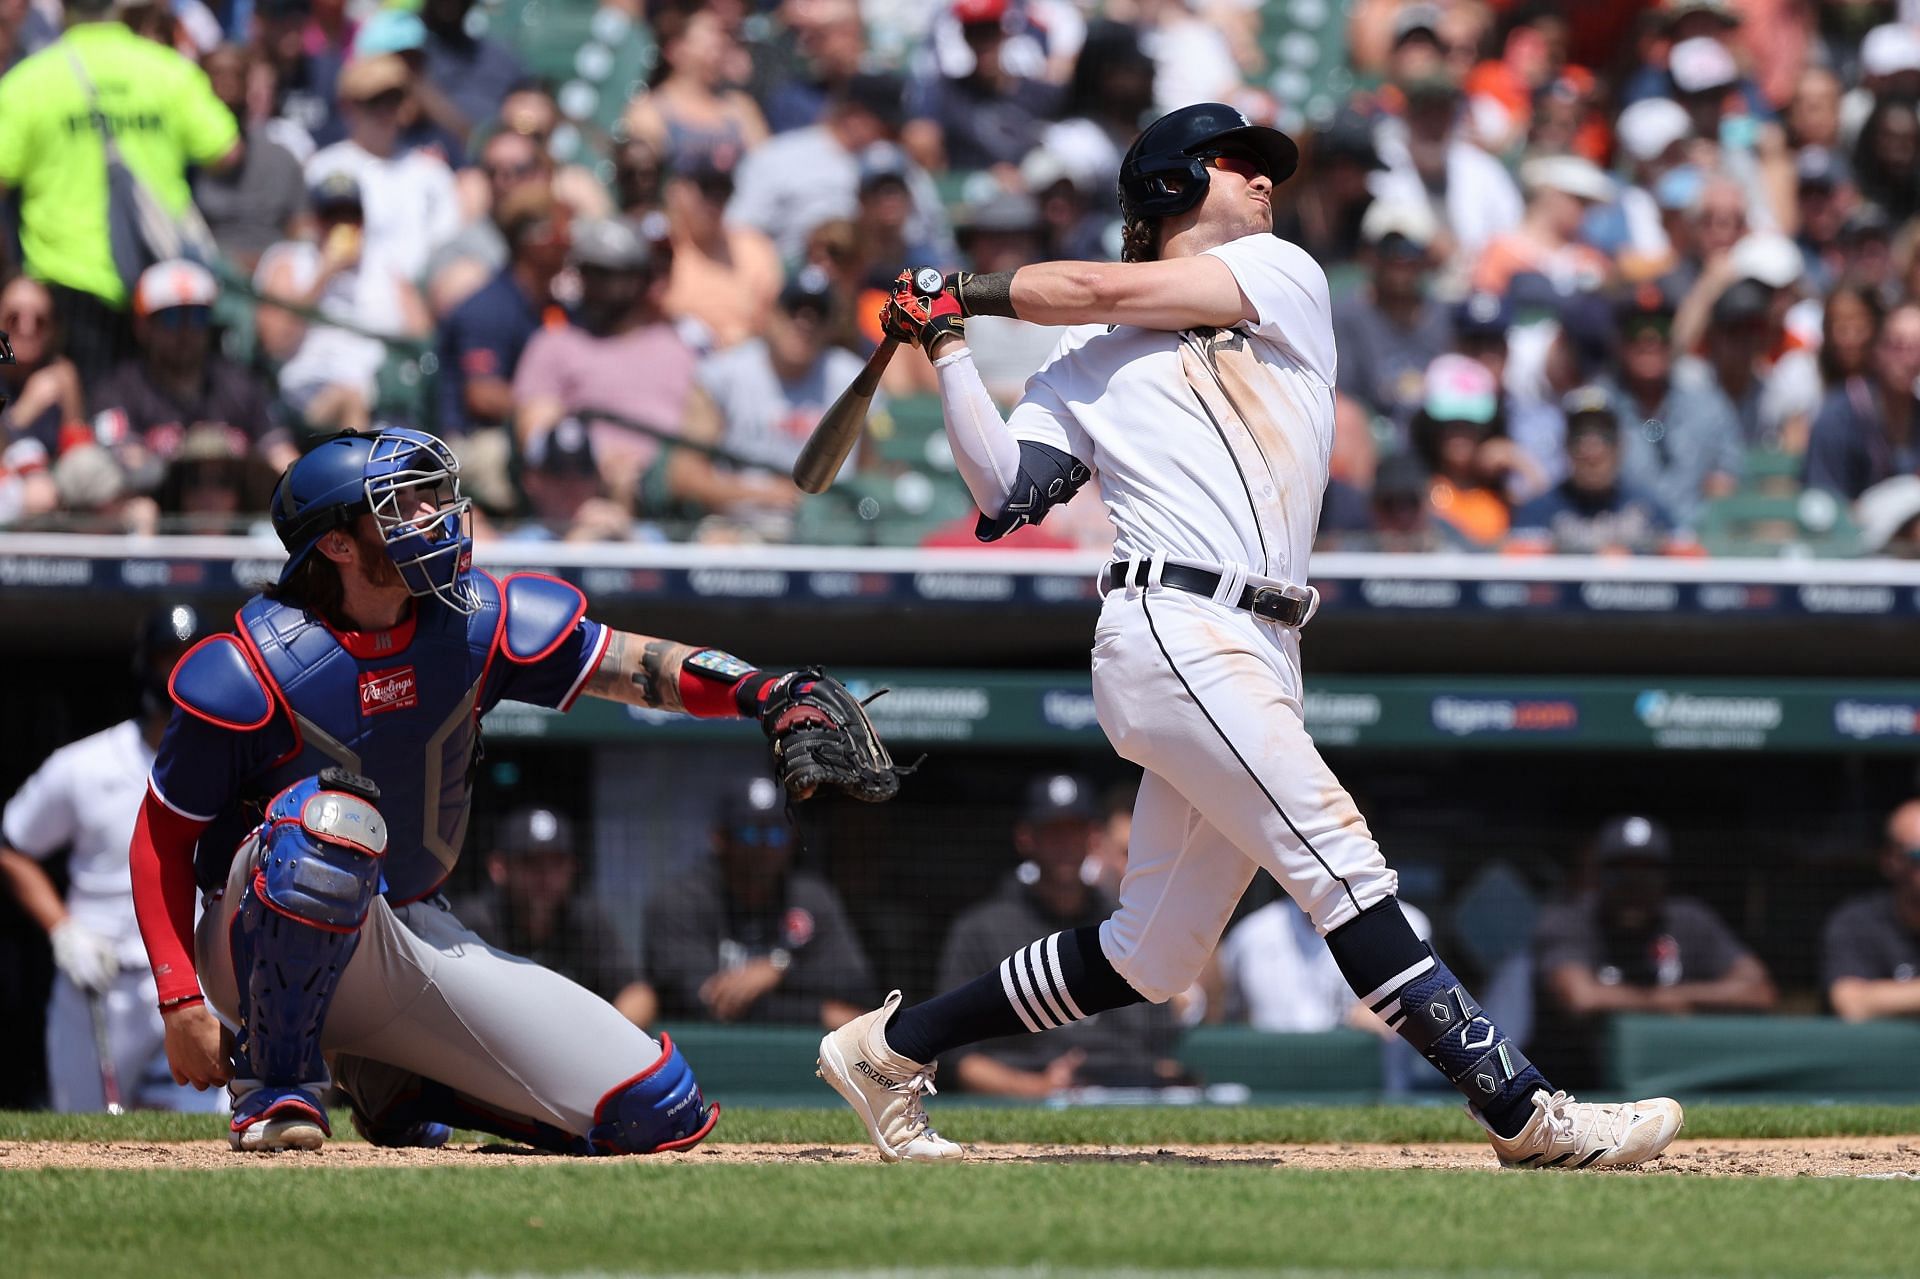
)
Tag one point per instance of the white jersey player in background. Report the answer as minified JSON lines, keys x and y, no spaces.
{"x":1197,"y":383}
{"x":85,"y":797}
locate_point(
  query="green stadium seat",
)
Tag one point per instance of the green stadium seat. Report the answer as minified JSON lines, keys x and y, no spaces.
{"x":910,"y":422}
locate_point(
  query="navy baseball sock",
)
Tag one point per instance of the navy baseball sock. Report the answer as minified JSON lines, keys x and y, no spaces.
{"x":1062,"y":978}
{"x":1399,"y":977}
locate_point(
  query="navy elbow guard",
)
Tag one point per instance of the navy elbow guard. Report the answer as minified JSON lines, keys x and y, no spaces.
{"x":1048,"y":477}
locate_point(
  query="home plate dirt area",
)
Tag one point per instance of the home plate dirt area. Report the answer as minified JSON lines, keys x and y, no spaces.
{"x":1881,"y":1158}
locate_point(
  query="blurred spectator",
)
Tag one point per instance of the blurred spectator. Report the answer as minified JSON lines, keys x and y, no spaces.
{"x":25,"y":29}
{"x":1107,"y":851}
{"x":566,"y":498}
{"x":1866,"y":253}
{"x":1684,"y":445}
{"x":1627,"y":945}
{"x":1594,"y":508}
{"x":258,"y":201}
{"x":208,"y":487}
{"x":481,"y":342}
{"x":884,"y":216}
{"x":639,"y":179}
{"x":1888,"y":70}
{"x":329,"y":374}
{"x":41,"y":386}
{"x":509,"y":163}
{"x":168,"y":119}
{"x":1050,"y":892}
{"x":1390,"y":331}
{"x":1192,"y":57}
{"x":724,"y":278}
{"x":1537,"y":458}
{"x":1871,"y":950}
{"x":408,"y":198}
{"x":475,"y":72}
{"x":1458,"y":417}
{"x":1889,"y":518}
{"x":307,"y":42}
{"x":689,"y":115}
{"x":1277,"y":975}
{"x":1774,"y":384}
{"x":531,"y":112}
{"x":1886,"y":160}
{"x":744,"y":935}
{"x":1429,"y":159}
{"x":1004,"y":234}
{"x":1400,"y":510}
{"x":534,"y":908}
{"x":85,"y":798}
{"x":1560,"y":191}
{"x":1812,"y":116}
{"x":1322,"y":215}
{"x":988,"y":117}
{"x":145,"y":408}
{"x":820,"y":48}
{"x":1868,"y":427}
{"x":1849,"y":322}
{"x":429,"y":120}
{"x":1653,"y":135}
{"x":1825,"y":199}
{"x":1107,"y":100}
{"x":1074,"y":221}
{"x":771,"y":391}
{"x":801,"y":178}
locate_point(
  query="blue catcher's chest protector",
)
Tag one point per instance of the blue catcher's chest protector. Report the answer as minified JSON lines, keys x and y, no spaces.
{"x":406,"y":715}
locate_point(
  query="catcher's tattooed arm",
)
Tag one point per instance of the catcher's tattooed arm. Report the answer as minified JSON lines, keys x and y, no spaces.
{"x":641,"y":671}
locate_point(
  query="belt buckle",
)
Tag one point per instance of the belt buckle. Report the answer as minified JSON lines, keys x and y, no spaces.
{"x":1283,"y":604}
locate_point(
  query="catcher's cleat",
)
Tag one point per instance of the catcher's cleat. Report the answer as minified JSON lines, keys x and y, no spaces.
{"x":1565,"y":1133}
{"x":269,"y":1119}
{"x":884,"y":1088}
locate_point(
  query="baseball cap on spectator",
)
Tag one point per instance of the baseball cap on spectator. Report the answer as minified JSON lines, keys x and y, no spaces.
{"x":1743,"y":300}
{"x":338,"y":190}
{"x":882,"y":163}
{"x":1674,"y":10}
{"x":1678,"y":189}
{"x":366,"y":78}
{"x":970,"y":13}
{"x":1817,"y":168}
{"x":711,"y":171}
{"x":1394,"y":227}
{"x":1041,"y":170}
{"x":389,"y":31}
{"x":1059,"y":796}
{"x":1003,"y":211}
{"x":527,"y":832}
{"x":1648,"y":127}
{"x":1460,"y":390}
{"x":166,"y":285}
{"x":565,"y":451}
{"x":1869,"y":221}
{"x":1589,"y":408}
{"x":1414,"y":20}
{"x":1701,"y":65}
{"x":1348,"y":135}
{"x":1632,"y":839}
{"x":1769,"y":257}
{"x":88,"y":478}
{"x":1571,"y":174}
{"x":610,"y":244}
{"x":1400,"y":475}
{"x":1482,"y":316}
{"x":880,"y":95}
{"x":809,"y":289}
{"x":1644,"y":306}
{"x":1886,"y":509}
{"x":1889,"y":50}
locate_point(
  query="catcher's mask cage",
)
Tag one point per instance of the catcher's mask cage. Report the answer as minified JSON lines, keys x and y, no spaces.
{"x":413,"y":491}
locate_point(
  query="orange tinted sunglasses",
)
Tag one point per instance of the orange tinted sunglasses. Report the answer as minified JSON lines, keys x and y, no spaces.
{"x":1245,"y":166}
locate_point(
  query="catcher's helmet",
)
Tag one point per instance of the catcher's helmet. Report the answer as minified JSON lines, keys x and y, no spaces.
{"x":391,"y":474}
{"x":1175,"y":145}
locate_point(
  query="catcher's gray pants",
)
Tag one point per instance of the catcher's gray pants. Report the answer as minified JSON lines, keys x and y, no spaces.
{"x":424,"y":995}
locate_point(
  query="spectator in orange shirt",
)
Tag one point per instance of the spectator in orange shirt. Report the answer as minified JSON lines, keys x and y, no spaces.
{"x":1560,"y":190}
{"x":1456,"y":430}
{"x":723,"y":276}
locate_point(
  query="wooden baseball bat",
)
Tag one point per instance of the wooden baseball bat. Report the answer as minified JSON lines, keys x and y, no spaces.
{"x":839,"y":427}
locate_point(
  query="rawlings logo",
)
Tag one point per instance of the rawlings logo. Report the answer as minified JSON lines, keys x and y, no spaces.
{"x":391,"y":690}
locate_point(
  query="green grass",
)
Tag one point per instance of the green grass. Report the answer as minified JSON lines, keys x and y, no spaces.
{"x":554,"y":1217}
{"x":1089,"y":1126}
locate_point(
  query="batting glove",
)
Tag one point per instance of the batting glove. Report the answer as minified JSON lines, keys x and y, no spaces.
{"x":921,"y":309}
{"x":85,"y":956}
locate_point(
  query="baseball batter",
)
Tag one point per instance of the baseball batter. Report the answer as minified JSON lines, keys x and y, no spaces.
{"x":84,"y":798}
{"x":1197,"y":384}
{"x":312,"y":788}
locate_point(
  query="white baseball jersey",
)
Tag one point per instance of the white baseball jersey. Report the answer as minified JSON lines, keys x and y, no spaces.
{"x":1208,"y":449}
{"x":88,"y":794}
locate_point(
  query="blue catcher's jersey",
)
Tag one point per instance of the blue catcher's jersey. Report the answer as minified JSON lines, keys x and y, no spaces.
{"x":286,"y":696}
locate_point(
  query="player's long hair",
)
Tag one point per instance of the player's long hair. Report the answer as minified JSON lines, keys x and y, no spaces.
{"x":1139,"y":240}
{"x":315,"y":587}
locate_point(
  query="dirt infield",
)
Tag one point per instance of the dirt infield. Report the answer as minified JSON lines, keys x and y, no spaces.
{"x":1876,"y":1157}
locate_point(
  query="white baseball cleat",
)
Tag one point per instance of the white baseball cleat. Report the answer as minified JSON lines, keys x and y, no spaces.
{"x":1565,"y":1133}
{"x":884,"y":1088}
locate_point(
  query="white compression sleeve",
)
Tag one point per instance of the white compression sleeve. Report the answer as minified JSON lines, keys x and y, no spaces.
{"x":983,"y":448}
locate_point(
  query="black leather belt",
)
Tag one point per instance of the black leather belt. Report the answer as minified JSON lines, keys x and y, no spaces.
{"x":1286,"y":605}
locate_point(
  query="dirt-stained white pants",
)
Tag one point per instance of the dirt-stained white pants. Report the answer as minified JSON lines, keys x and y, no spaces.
{"x":1207,"y":699}
{"x":424,"y":995}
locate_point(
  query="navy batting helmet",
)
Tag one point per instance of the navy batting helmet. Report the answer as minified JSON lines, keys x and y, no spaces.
{"x":409,"y":482}
{"x":1164,"y":171}
{"x":164,"y":634}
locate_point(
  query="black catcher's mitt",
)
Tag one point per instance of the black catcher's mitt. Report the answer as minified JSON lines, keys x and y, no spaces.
{"x":822,"y":737}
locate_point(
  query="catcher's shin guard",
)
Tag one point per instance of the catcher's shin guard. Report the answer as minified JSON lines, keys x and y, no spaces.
{"x":299,"y":922}
{"x":658,"y":1109}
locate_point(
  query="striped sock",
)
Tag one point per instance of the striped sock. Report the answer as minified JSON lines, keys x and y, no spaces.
{"x":1062,"y":978}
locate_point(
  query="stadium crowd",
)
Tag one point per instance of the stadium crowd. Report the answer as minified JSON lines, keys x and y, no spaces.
{"x":1640,"y":275}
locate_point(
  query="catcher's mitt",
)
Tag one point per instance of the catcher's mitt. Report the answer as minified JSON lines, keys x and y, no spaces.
{"x":822,"y":737}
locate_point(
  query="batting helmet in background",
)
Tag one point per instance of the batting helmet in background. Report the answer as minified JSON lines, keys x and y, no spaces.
{"x":1165,"y":170}
{"x":165,"y":633}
